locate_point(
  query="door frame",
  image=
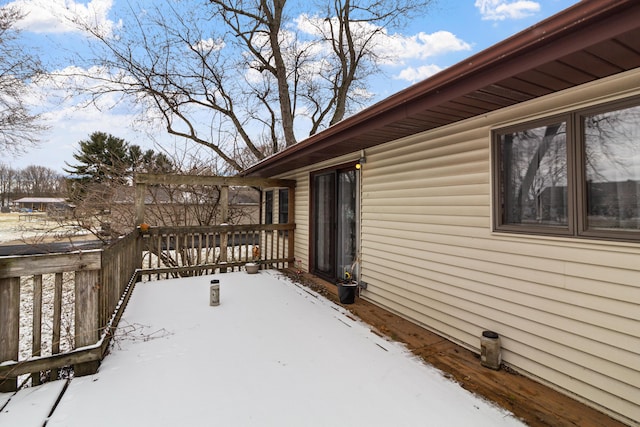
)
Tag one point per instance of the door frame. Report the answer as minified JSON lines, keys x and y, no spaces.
{"x":343,"y":167}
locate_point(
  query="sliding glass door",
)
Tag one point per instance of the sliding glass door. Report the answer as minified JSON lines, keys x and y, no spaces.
{"x":334,"y":223}
{"x":324,"y":219}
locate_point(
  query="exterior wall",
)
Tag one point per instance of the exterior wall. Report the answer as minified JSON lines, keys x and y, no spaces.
{"x":302,"y":203}
{"x":567,"y":310}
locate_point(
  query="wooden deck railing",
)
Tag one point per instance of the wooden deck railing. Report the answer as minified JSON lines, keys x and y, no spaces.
{"x":191,"y":251}
{"x":120,"y":262}
{"x":100,"y":282}
{"x":80,"y":270}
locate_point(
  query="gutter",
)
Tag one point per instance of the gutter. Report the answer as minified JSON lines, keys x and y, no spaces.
{"x":586,"y":13}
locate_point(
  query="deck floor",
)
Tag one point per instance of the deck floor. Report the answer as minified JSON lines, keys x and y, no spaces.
{"x":272,"y":353}
{"x":537,"y":404}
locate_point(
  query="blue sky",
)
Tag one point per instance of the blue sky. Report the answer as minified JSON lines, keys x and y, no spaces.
{"x":451,"y":31}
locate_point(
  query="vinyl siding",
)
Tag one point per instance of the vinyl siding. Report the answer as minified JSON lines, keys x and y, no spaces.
{"x":302,"y":220}
{"x":567,"y":310}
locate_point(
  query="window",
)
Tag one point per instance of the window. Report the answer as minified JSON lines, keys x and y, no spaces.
{"x":575,"y":175}
{"x":283,"y":206}
{"x":268,"y":207}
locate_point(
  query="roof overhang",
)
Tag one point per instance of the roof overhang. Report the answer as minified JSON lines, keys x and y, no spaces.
{"x":588,"y":41}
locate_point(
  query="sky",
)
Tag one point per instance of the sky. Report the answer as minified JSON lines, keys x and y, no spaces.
{"x":451,"y":31}
{"x":272,"y":353}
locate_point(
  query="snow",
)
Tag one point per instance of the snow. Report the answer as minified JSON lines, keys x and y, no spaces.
{"x":16,"y":228}
{"x":31,"y":406}
{"x":272,"y":353}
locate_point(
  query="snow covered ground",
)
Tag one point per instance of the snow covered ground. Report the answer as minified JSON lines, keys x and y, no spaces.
{"x":272,"y":353}
{"x":17,"y":227}
{"x":13,"y":228}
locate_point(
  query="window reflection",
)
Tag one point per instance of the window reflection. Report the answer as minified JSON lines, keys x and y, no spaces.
{"x":535,"y":175}
{"x":612,"y":164}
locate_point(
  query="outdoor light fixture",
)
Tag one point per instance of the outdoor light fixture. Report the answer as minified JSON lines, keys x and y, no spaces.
{"x":362,"y":160}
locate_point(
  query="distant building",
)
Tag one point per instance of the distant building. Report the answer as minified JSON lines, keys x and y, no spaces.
{"x":51,"y":205}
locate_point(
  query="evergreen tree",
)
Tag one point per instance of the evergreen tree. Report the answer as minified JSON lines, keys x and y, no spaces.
{"x":106,"y":158}
{"x":103,"y":157}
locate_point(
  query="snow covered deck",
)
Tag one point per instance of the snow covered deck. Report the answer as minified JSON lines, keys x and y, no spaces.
{"x":273,"y":353}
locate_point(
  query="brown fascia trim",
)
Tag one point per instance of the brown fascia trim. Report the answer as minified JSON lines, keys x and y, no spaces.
{"x":467,"y":74}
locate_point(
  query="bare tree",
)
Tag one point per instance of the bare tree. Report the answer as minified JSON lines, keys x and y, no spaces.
{"x":7,"y":184}
{"x":41,"y":181}
{"x":246,"y":76}
{"x":35,"y":181}
{"x":352,"y":29}
{"x":19,"y":127}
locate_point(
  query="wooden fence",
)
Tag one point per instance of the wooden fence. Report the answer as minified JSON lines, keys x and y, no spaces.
{"x":102,"y":281}
{"x":14,"y":270}
{"x":99,"y":279}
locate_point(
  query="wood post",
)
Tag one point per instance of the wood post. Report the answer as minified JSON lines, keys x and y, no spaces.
{"x":87,"y":329}
{"x":57,"y":321}
{"x":9,"y":327}
{"x":224,"y":203}
{"x":292,"y":220}
{"x":36,"y":345}
{"x":140,"y":193}
{"x":224,"y":242}
{"x":224,"y":237}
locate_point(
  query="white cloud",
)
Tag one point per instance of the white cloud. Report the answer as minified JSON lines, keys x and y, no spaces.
{"x":394,"y":48}
{"x":57,"y":16}
{"x":420,"y":46}
{"x":413,"y":75}
{"x":499,"y":10}
{"x":209,"y":45}
{"x":66,"y":106}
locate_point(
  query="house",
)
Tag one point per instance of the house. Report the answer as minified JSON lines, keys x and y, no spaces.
{"x":51,"y":205}
{"x":472,"y":201}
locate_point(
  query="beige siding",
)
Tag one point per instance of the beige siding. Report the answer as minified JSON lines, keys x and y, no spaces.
{"x":568,"y":310}
{"x":302,"y":220}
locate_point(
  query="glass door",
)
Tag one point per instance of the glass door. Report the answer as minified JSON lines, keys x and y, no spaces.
{"x":346,"y":224}
{"x":334,"y":216}
{"x":324,"y":220}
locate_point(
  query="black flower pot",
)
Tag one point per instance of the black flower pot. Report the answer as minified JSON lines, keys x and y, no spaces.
{"x":347,"y":292}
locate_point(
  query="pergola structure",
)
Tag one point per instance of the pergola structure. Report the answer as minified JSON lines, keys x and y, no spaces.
{"x":144,"y":179}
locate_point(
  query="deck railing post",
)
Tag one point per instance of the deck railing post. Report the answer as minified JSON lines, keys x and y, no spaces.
{"x":139,"y":248}
{"x":9,"y":327}
{"x":292,"y":220}
{"x":36,"y":345}
{"x":224,"y":242}
{"x":87,"y":328}
{"x":57,"y":320}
